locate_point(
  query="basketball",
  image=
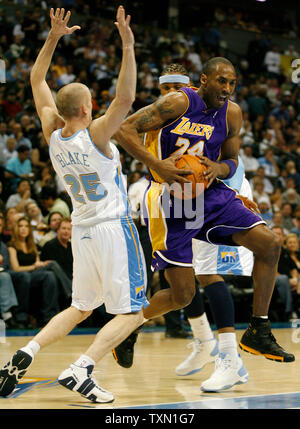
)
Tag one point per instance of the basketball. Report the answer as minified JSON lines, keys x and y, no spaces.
{"x":191,"y":190}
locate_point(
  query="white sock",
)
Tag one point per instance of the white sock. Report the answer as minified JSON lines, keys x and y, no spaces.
{"x":228,"y":343}
{"x":31,"y":348}
{"x":201,"y":328}
{"x":84,"y":361}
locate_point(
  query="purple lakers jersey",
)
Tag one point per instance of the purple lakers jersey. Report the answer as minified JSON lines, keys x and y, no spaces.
{"x":198,"y":131}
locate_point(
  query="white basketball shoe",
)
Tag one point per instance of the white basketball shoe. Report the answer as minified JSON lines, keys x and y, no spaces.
{"x":203,"y":353}
{"x":79,"y":380}
{"x":228,"y":372}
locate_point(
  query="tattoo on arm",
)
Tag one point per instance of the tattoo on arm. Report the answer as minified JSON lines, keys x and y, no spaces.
{"x":153,"y":117}
{"x":144,"y":119}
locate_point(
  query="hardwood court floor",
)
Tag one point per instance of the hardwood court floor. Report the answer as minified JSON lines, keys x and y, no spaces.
{"x":151,"y":381}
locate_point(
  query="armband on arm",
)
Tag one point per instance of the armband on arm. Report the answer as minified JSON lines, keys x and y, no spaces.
{"x":232,"y":167}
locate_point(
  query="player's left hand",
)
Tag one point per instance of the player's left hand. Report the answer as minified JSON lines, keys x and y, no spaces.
{"x":59,"y":23}
{"x":212,"y":171}
{"x":251,"y":205}
{"x":122,"y":25}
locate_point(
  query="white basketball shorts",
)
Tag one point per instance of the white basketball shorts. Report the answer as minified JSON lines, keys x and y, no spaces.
{"x":211,"y":259}
{"x":108,"y":267}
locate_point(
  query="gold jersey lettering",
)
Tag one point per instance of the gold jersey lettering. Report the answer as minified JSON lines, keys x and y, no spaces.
{"x":193,"y":128}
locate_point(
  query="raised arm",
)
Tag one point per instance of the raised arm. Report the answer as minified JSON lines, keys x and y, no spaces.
{"x":42,"y":96}
{"x":153,"y":117}
{"x":103,"y":128}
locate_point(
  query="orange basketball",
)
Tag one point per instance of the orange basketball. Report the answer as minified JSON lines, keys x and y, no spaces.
{"x":191,"y":190}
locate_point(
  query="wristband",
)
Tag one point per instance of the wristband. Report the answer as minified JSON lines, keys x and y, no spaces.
{"x":232,"y":167}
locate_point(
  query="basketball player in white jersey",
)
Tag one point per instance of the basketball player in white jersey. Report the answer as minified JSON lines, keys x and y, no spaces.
{"x":108,"y":259}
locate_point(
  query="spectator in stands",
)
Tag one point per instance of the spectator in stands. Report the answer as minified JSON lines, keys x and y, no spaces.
{"x":44,"y":178}
{"x":296,"y":229}
{"x":277,"y":221}
{"x":52,"y":203}
{"x":24,"y":257}
{"x":19,"y":167}
{"x":257,"y":103}
{"x":53,"y":223}
{"x":293,"y":173}
{"x":34,"y":214}
{"x":292,"y":247}
{"x":40,"y":153}
{"x":10,"y":149}
{"x":8,"y":299}
{"x":276,"y":200}
{"x":272,"y":61}
{"x":250,"y":162}
{"x":21,"y":197}
{"x":268,"y":162}
{"x":258,"y":189}
{"x":17,"y":133}
{"x":19,"y":312}
{"x":59,"y":249}
{"x":265,"y":210}
{"x":287,"y":220}
{"x":292,"y":197}
{"x":11,"y":105}
{"x":260,"y":173}
{"x":287,"y":277}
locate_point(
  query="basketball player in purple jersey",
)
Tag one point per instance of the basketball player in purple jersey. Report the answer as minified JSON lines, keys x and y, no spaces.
{"x":205,"y":123}
{"x":229,"y":368}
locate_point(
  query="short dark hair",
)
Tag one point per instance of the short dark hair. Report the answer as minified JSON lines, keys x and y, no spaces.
{"x":48,"y":192}
{"x":22,"y":148}
{"x":51,"y":214}
{"x":175,"y":68}
{"x":211,"y":64}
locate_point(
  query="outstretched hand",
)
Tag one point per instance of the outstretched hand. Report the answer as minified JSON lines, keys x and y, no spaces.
{"x":122,"y":25}
{"x":59,"y":23}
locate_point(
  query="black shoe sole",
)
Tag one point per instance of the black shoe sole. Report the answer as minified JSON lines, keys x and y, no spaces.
{"x":123,"y":364}
{"x":13,"y":371}
{"x":266,"y":355}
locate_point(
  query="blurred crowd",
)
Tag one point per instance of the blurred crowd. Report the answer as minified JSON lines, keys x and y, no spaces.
{"x":34,"y":207}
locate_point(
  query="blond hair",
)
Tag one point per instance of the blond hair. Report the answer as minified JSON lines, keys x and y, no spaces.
{"x":70,"y":98}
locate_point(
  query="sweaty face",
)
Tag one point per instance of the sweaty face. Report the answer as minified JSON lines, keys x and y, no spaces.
{"x":165,"y":88}
{"x":218,"y":85}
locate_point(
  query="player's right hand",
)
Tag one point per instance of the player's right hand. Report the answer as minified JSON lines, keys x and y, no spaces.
{"x":59,"y":23}
{"x":167,"y":170}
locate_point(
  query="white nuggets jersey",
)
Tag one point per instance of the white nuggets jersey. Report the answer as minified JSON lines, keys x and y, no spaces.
{"x":230,"y":260}
{"x":94,"y":181}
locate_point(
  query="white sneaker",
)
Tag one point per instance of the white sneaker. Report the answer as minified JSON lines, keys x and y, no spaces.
{"x":203,"y":353}
{"x":228,"y":372}
{"x":79,"y":380}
